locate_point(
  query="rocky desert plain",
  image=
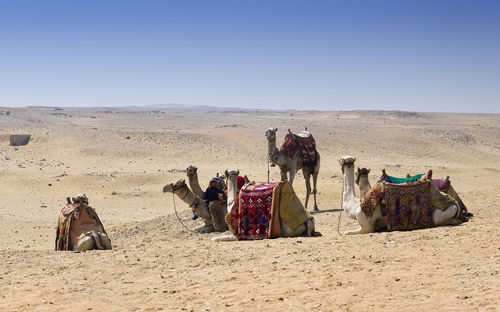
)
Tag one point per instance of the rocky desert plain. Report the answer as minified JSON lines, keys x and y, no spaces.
{"x":122,"y":157}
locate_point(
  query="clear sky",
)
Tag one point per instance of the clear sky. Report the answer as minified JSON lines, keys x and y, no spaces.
{"x":328,"y":55}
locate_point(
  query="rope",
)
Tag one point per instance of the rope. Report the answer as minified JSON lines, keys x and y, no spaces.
{"x":177,"y":215}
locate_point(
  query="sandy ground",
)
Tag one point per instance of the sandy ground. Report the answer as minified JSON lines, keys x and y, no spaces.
{"x":121,"y":160}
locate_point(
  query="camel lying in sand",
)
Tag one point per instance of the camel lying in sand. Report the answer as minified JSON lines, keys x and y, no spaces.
{"x":79,"y":228}
{"x":364,"y":186}
{"x":352,"y":206}
{"x":212,"y":216}
{"x":306,"y":228}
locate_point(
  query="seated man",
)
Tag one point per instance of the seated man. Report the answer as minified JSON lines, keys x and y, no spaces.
{"x":214,"y":198}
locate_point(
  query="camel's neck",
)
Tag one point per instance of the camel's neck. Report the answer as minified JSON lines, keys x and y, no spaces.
{"x":186,"y":195}
{"x":190,"y":199}
{"x":195,"y":185}
{"x":350,"y":202}
{"x":271,"y":146}
{"x":232,"y":191}
{"x":364,"y":185}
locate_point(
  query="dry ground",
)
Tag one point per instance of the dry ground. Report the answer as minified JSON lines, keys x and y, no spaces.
{"x":121,"y":160}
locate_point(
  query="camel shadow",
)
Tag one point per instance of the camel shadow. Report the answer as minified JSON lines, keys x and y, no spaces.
{"x":323,"y":211}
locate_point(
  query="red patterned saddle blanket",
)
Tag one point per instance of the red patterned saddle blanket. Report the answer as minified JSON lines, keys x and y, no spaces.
{"x":252,"y":212}
{"x":303,"y":143}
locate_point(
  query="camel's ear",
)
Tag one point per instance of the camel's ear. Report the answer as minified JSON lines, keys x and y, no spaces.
{"x":238,"y":172}
{"x":275,"y":129}
{"x":341,"y":161}
{"x":226,"y":173}
{"x":359,"y":170}
{"x":195,"y":168}
{"x":368,"y":170}
{"x":354,"y":158}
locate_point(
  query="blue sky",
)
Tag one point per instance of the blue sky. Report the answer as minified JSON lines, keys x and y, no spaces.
{"x":328,"y":55}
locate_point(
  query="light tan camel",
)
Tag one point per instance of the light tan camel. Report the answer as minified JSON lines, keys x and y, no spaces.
{"x":307,"y":228}
{"x":194,"y":184}
{"x":352,"y":206}
{"x":213,"y":218}
{"x":292,"y":165}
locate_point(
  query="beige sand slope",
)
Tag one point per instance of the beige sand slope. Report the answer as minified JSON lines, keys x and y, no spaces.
{"x":121,"y":160}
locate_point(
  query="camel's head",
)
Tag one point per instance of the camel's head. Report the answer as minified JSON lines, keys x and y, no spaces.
{"x":172,"y":187}
{"x":191,"y":171}
{"x":347,"y":161}
{"x":231,"y":173}
{"x":361,"y":172}
{"x":271,"y":133}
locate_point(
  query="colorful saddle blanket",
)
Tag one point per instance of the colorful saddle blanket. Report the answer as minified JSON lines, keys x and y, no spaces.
{"x":442,"y":185}
{"x":407,"y":206}
{"x":258,"y":208}
{"x":303,"y":143}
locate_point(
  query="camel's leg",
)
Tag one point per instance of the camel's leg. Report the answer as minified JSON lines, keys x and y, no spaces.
{"x":86,"y":243}
{"x":284,"y":174}
{"x":310,"y":227}
{"x":105,"y":241}
{"x":293,"y":171}
{"x":307,"y":177}
{"x":315,"y":181}
{"x":225,"y":238}
{"x":367,"y":224}
{"x":443,"y":217}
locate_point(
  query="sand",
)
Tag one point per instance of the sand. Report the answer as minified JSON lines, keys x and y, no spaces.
{"x":122,"y":159}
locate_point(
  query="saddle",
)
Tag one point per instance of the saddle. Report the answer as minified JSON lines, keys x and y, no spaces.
{"x":303,"y":143}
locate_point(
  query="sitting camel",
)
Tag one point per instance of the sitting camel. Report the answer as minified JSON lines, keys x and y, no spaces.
{"x":212,"y":216}
{"x":306,"y":228}
{"x":352,"y":206}
{"x":362,"y":181}
{"x":192,"y":173}
{"x":292,"y":165}
{"x":79,"y":228}
{"x":444,"y":186}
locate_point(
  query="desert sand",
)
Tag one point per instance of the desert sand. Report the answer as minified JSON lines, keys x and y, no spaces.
{"x":121,"y":159}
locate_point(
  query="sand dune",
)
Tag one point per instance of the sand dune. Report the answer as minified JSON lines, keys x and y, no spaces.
{"x":121,"y":159}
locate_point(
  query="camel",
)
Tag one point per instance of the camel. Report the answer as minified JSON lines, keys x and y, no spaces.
{"x":79,"y":227}
{"x":292,"y":165}
{"x":362,"y":181}
{"x":352,"y":207}
{"x":194,"y":184}
{"x":213,"y":216}
{"x":305,"y":228}
{"x":364,"y":187}
{"x":192,"y":173}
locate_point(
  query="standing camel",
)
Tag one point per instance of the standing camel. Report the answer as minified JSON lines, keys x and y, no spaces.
{"x":292,"y":165}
